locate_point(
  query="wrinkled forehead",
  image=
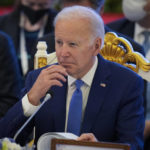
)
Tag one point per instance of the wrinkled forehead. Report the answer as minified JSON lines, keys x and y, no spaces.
{"x":74,"y":24}
{"x":73,"y":29}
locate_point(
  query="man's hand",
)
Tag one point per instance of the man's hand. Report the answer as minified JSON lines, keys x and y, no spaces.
{"x":87,"y":137}
{"x":51,"y":76}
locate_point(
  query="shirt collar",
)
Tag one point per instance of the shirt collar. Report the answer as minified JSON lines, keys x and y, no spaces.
{"x":88,"y":77}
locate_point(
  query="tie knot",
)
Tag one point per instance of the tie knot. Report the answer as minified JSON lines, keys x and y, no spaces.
{"x":78,"y":83}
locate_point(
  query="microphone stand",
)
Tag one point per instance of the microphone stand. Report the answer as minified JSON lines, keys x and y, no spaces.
{"x":48,"y":96}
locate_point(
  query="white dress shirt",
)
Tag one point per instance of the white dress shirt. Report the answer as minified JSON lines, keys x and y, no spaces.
{"x":29,"y":109}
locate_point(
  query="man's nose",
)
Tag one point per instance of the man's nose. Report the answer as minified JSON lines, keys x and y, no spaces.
{"x":65,"y":51}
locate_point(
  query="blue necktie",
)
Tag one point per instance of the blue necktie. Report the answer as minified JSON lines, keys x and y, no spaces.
{"x":75,"y":110}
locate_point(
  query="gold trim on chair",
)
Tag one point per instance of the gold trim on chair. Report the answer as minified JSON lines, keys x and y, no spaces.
{"x":42,"y":61}
{"x":118,"y":49}
{"x":41,"y":57}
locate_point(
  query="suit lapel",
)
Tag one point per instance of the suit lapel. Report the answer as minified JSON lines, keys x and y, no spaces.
{"x":60,"y":112}
{"x":97,"y":94}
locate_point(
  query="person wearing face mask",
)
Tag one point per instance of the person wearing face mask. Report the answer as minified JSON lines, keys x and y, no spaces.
{"x":136,"y":16}
{"x":136,"y":24}
{"x":30,"y":20}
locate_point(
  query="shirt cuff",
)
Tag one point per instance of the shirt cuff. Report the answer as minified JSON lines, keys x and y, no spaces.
{"x":28,"y":108}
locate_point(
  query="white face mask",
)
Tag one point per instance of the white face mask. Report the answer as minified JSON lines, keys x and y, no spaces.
{"x":133,"y":9}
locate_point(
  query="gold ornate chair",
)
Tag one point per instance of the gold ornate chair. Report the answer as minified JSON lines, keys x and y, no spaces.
{"x":116,"y":49}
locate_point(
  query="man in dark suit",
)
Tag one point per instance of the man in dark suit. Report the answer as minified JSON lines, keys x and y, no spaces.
{"x":97,"y":5}
{"x":27,"y":22}
{"x":10,"y":77}
{"x":112,"y":106}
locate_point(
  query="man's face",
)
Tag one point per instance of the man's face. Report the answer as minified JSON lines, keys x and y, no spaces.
{"x":37,"y":4}
{"x":75,"y":49}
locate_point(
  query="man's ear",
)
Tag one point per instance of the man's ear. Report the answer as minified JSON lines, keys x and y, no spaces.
{"x":98,"y":43}
{"x":101,"y":11}
{"x":96,"y":46}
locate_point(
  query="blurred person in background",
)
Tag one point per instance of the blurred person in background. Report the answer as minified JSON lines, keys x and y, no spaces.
{"x":10,"y":77}
{"x":136,"y":24}
{"x":136,"y":20}
{"x":30,"y":20}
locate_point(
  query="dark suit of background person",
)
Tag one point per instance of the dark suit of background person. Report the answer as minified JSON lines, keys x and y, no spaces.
{"x":10,"y":77}
{"x":123,"y":26}
{"x":9,"y":23}
{"x":110,"y":106}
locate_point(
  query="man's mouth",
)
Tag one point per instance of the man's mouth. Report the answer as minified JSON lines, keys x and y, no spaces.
{"x":66,"y":64}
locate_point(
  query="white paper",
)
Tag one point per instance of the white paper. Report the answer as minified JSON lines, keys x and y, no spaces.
{"x":44,"y":141}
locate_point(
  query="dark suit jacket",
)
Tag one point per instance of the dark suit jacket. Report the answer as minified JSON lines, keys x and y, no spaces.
{"x":123,"y":26}
{"x":9,"y":24}
{"x":10,"y":77}
{"x":113,"y":113}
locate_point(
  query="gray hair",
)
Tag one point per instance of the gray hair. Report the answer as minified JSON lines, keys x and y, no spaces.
{"x":80,"y":12}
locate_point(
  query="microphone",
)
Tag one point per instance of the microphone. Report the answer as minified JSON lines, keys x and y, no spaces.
{"x":48,"y":96}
